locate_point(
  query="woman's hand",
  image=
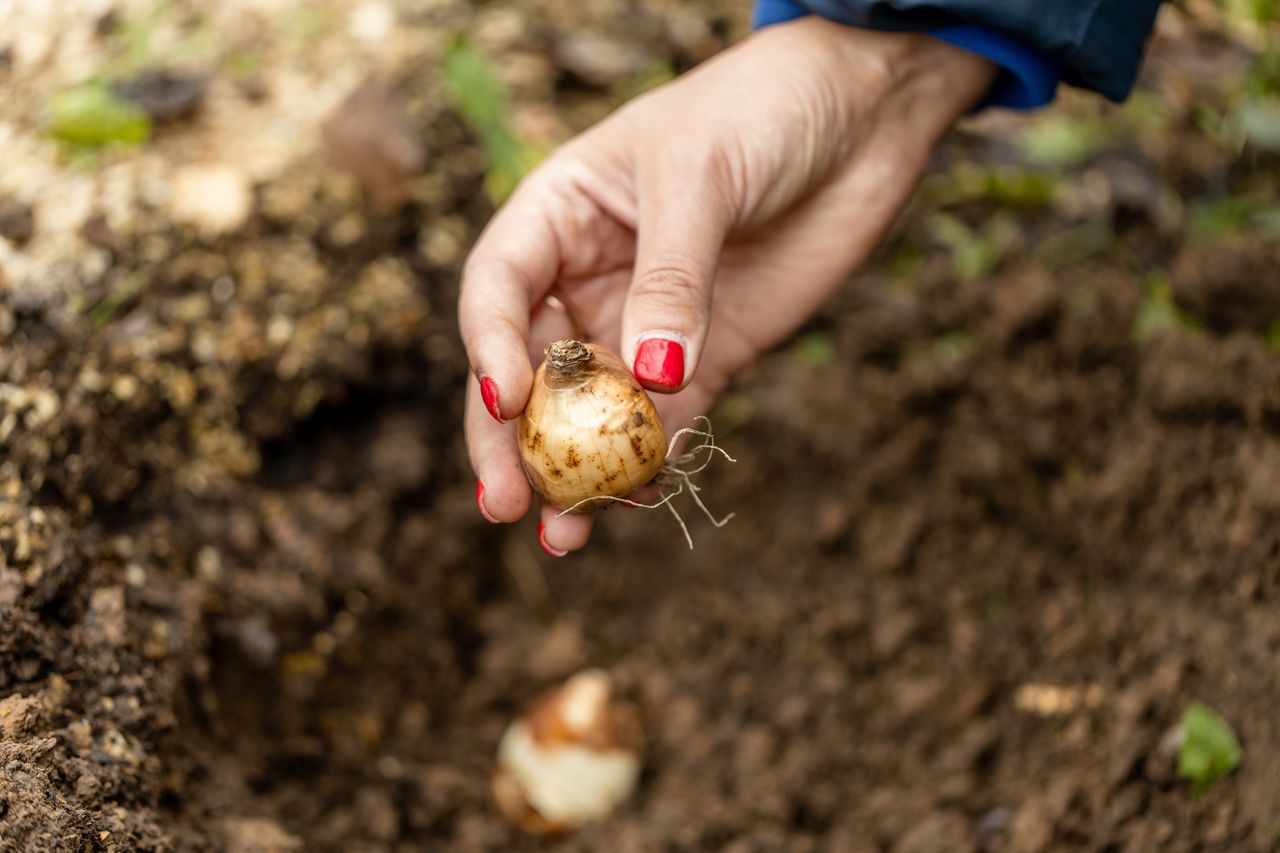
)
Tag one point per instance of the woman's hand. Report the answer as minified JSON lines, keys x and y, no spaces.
{"x":765,"y":175}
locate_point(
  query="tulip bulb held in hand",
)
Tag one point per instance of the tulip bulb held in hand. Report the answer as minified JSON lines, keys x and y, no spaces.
{"x":590,"y":435}
{"x":589,"y":432}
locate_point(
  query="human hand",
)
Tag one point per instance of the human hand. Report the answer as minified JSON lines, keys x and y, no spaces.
{"x":767,"y":174}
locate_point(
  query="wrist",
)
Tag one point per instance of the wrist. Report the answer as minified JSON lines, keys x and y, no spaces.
{"x":901,"y":93}
{"x":909,"y":67}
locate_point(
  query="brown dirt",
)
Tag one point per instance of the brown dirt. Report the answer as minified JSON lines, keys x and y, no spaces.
{"x":248,"y":604}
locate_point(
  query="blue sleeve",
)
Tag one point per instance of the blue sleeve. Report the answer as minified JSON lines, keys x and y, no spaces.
{"x":1093,"y":44}
{"x":1028,"y":78}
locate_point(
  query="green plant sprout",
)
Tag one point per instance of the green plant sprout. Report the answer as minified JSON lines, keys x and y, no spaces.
{"x":92,"y":116}
{"x":1272,"y":335}
{"x":1215,"y":220}
{"x":950,"y":347}
{"x":1255,"y":114}
{"x":125,"y":290}
{"x":1209,"y":750}
{"x":1260,"y":13}
{"x":89,"y":115}
{"x":1064,"y":141}
{"x":484,"y":104}
{"x":1075,"y":245}
{"x":731,"y":414}
{"x":944,"y":349}
{"x":1259,"y":120}
{"x":975,"y":252}
{"x":814,"y":350}
{"x":136,"y":49}
{"x":1158,"y":311}
{"x":135,"y":36}
{"x":1026,"y":188}
{"x":307,"y":23}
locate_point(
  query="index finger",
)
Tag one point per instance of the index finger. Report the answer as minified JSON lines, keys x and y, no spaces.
{"x":511,"y":268}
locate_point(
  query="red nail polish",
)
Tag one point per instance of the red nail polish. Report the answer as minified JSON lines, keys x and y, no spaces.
{"x":489,"y":393}
{"x":542,"y":540}
{"x":660,"y":362}
{"x":480,"y":503}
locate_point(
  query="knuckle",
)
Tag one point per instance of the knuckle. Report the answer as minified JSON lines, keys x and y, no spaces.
{"x":669,"y":285}
{"x":508,"y":332}
{"x":481,"y":264}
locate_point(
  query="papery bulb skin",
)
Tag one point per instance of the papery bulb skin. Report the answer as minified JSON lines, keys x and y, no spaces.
{"x":573,"y":758}
{"x":589,"y":429}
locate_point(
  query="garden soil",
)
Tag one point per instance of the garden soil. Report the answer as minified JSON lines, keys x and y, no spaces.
{"x":993,"y":535}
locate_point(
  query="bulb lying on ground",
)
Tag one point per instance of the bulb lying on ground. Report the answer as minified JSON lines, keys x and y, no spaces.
{"x":589,"y":432}
{"x":572,"y":759}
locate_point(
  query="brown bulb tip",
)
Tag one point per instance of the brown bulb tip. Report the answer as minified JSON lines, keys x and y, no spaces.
{"x":567,"y":356}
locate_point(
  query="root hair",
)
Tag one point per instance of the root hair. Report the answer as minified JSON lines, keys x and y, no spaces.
{"x":673,"y":471}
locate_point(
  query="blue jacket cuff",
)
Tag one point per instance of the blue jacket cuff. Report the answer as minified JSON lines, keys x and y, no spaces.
{"x":1028,"y":78}
{"x":768,"y":12}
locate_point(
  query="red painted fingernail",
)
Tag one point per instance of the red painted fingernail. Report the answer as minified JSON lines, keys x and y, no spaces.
{"x":542,"y":540}
{"x":489,"y":393}
{"x":480,"y":503}
{"x":660,"y":362}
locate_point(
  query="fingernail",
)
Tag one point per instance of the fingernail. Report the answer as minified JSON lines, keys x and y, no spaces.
{"x":489,"y":393}
{"x":542,"y":540}
{"x":660,"y":362}
{"x":480,"y":503}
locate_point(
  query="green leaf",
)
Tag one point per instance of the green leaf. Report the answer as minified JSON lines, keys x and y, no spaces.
{"x":484,"y":104}
{"x":1063,"y":141}
{"x":1154,"y":314}
{"x":307,"y":23}
{"x":1260,"y":120}
{"x":1255,"y":11}
{"x":814,"y":350}
{"x":1003,"y":186}
{"x":731,"y":414}
{"x":1221,"y":218}
{"x":975,"y":252}
{"x":1210,"y":748}
{"x":122,"y":293}
{"x":135,"y":35}
{"x":1158,"y":311}
{"x":1272,"y":335}
{"x":1147,"y":113}
{"x":1214,"y":220}
{"x":950,"y":347}
{"x":1075,"y":244}
{"x":1267,"y":223}
{"x":243,"y":64}
{"x":91,"y":116}
{"x":945,"y":349}
{"x":134,"y":47}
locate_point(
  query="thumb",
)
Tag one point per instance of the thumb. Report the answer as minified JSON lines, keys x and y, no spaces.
{"x":681,"y":226}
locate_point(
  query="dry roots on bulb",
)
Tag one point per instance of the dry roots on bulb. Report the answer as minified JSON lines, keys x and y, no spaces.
{"x":573,"y":758}
{"x":589,"y":433}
